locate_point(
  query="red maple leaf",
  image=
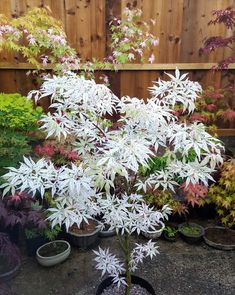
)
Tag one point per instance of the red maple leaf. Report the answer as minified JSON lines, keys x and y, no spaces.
{"x":199,"y":117}
{"x":228,"y":115}
{"x":194,"y":193}
{"x":211,"y":107}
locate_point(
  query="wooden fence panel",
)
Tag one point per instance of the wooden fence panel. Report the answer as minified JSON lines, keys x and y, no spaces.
{"x":181,"y":26}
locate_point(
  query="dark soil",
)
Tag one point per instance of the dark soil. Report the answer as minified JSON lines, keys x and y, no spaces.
{"x":85,"y":228}
{"x":135,"y":290}
{"x":220,"y":236}
{"x":53,"y":249}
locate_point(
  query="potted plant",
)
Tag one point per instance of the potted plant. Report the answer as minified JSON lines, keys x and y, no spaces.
{"x":10,"y":261}
{"x":85,"y":236}
{"x":155,"y":234}
{"x":38,"y":231}
{"x":106,"y":232}
{"x":53,"y":253}
{"x":191,"y":232}
{"x":221,"y":194}
{"x":170,"y":233}
{"x":37,"y":236}
{"x":108,"y":177}
{"x":126,"y":216}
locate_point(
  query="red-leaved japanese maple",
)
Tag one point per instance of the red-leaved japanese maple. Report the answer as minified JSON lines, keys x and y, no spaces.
{"x":18,"y":210}
{"x":227,"y":18}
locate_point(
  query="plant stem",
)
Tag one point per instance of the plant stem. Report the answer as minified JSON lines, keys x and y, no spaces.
{"x":121,"y":243}
{"x":82,"y":226}
{"x":95,"y":125}
{"x":127,"y":263}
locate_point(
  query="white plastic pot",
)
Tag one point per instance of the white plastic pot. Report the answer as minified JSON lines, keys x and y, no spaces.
{"x":55,"y":259}
{"x":154,"y":235}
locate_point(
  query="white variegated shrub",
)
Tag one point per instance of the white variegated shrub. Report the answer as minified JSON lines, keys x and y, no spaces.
{"x":108,"y":180}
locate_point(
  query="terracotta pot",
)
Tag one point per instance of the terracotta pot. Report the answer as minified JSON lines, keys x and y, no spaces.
{"x":134,"y":280}
{"x":53,"y":259}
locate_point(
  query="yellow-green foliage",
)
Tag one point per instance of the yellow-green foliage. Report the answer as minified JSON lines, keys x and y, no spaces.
{"x":223,"y":194}
{"x":17,"y":113}
{"x":17,"y":119}
{"x":36,"y":35}
{"x":160,"y":198}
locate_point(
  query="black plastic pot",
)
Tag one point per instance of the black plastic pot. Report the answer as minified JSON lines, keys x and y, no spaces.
{"x":33,"y":244}
{"x":11,"y":273}
{"x":190,"y":238}
{"x":170,"y":239}
{"x":107,"y":233}
{"x":134,"y":280}
{"x":84,"y":241}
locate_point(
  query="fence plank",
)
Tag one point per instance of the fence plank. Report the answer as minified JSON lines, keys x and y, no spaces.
{"x":98,"y":30}
{"x":83,"y":29}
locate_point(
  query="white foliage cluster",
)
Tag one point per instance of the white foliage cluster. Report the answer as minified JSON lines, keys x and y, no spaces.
{"x":30,"y":176}
{"x":131,"y":214}
{"x":111,"y":265}
{"x":146,"y":128}
{"x":142,"y":251}
{"x":78,"y":103}
{"x":112,"y":157}
{"x":179,"y":90}
{"x":72,"y":187}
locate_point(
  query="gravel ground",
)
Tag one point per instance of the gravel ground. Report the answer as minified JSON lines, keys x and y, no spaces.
{"x":135,"y":290}
{"x":179,"y":269}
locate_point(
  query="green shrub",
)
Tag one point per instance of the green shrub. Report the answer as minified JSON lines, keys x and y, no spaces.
{"x":13,"y":145}
{"x":17,"y":113}
{"x":18,"y":117}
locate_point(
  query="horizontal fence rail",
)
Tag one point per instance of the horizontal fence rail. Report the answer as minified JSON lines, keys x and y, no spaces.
{"x":181,"y":26}
{"x":127,"y":67}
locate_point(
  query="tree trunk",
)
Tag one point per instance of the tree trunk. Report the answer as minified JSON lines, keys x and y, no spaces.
{"x":127,"y":263}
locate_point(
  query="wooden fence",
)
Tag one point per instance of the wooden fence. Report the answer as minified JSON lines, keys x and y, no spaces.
{"x":181,"y":26}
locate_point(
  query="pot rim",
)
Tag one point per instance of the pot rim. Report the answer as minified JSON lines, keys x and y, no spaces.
{"x":97,"y":229}
{"x":202,"y":230}
{"x":108,"y":230}
{"x":53,"y":256}
{"x":219,"y":227}
{"x":133,"y":277}
{"x":4,"y":275}
{"x":170,"y":238}
{"x":218,"y":245}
